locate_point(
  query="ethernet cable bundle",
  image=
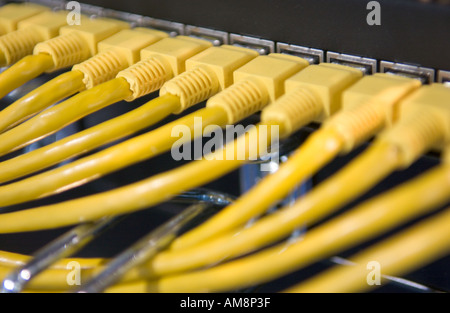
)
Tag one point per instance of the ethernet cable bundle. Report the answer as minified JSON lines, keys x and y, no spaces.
{"x":105,"y":60}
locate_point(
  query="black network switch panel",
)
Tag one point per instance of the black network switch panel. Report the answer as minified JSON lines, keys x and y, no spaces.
{"x":406,"y":31}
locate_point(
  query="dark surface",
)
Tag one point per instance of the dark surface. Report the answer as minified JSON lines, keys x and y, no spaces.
{"x":410,"y":32}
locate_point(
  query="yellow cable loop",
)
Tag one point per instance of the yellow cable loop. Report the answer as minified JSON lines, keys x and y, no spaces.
{"x":367,"y":220}
{"x":407,"y":251}
{"x":135,"y":196}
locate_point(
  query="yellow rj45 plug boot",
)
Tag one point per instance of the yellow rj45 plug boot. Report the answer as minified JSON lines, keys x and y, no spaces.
{"x":370,"y":105}
{"x":20,"y":43}
{"x":256,"y":84}
{"x":207,"y":74}
{"x":12,"y":13}
{"x":160,"y":63}
{"x":75,"y":44}
{"x":115,"y":53}
{"x":313,"y":95}
{"x":424,"y":124}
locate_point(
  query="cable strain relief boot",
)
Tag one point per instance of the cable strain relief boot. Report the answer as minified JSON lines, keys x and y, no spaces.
{"x":146,"y":76}
{"x":11,"y":14}
{"x":101,"y":68}
{"x":416,"y":134}
{"x":18,"y":44}
{"x":242,"y":99}
{"x":192,"y":87}
{"x":294,"y":109}
{"x":65,"y":50}
{"x":358,"y":124}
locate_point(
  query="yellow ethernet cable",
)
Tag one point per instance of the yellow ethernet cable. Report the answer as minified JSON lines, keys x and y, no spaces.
{"x":367,"y":106}
{"x":139,"y":195}
{"x":206,"y":74}
{"x":160,"y":62}
{"x":423,"y":250}
{"x":12,"y":13}
{"x":167,"y":262}
{"x":374,"y":217}
{"x":11,"y":260}
{"x":259,"y":84}
{"x":424,"y":124}
{"x":75,"y":44}
{"x":158,"y":266}
{"x":115,"y":53}
{"x":20,"y":43}
{"x":413,"y":248}
{"x":57,"y":279}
